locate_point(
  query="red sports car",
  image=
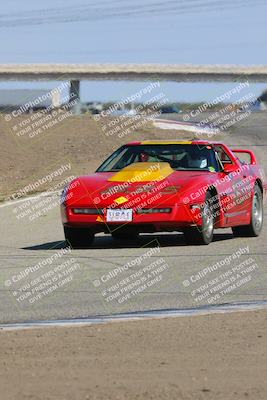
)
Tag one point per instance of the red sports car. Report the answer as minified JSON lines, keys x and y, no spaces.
{"x":189,"y":186}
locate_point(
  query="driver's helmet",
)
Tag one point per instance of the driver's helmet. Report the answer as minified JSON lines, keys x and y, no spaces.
{"x":143,"y":157}
{"x":197,"y":161}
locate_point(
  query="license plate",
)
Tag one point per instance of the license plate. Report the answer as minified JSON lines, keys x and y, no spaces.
{"x":119,"y":215}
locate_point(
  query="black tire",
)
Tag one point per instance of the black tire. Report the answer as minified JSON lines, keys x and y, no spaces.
{"x":203,"y":234}
{"x":122,"y":235}
{"x":256,"y":222}
{"x":78,"y":238}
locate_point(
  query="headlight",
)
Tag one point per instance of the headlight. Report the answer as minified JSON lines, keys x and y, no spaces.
{"x":153,"y":210}
{"x":90,"y":211}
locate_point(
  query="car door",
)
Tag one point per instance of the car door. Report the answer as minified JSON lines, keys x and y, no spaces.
{"x":234,"y":190}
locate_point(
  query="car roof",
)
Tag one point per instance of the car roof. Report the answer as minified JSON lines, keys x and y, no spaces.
{"x":166,"y":142}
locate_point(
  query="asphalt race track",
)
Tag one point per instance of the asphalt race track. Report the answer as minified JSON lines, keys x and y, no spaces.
{"x":40,"y":278}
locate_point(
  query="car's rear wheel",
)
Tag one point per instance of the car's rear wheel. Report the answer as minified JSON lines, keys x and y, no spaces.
{"x":78,"y":238}
{"x":202,"y":234}
{"x":256,"y":222}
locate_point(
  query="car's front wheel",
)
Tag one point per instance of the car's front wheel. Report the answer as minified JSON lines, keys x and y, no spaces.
{"x":202,"y":234}
{"x":78,"y":238}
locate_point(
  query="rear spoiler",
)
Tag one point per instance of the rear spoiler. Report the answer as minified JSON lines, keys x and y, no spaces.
{"x":252,"y":156}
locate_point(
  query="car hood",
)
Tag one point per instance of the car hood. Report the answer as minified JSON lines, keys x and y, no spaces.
{"x":104,"y":187}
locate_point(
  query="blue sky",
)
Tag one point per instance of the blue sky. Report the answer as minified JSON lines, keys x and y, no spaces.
{"x":136,"y":31}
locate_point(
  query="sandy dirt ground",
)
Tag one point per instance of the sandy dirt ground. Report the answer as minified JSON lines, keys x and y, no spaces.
{"x":221,"y":356}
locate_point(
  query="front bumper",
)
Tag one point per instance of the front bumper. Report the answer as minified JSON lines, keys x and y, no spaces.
{"x":181,"y":215}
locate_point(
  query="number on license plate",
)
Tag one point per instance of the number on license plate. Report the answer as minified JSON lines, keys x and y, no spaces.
{"x":119,"y":215}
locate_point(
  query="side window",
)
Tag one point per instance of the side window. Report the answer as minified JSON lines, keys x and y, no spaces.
{"x":223,"y":157}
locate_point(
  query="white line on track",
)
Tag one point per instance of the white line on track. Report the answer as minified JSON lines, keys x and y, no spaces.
{"x":43,"y":194}
{"x":186,"y":126}
{"x":139,"y":316}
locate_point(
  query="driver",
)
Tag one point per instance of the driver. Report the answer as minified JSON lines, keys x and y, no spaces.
{"x":197,"y":161}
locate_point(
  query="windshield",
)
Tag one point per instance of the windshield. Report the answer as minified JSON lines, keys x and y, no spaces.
{"x":179,"y":156}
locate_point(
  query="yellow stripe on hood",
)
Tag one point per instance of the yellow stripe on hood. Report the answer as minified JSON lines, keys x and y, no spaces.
{"x":143,"y":172}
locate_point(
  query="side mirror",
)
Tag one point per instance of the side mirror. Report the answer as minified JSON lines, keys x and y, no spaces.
{"x":229,"y":168}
